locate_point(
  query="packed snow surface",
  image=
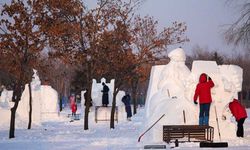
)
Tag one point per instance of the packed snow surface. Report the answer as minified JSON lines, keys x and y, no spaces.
{"x":64,"y":135}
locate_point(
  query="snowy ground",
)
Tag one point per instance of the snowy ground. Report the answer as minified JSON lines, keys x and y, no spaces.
{"x":63,"y":135}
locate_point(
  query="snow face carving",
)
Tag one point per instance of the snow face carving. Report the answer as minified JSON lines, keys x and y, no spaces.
{"x":171,"y":90}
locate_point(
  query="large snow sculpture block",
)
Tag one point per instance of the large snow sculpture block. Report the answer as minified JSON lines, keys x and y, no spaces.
{"x":153,"y":82}
{"x":208,"y":67}
{"x":96,"y":96}
{"x":173,"y":90}
{"x":49,"y":101}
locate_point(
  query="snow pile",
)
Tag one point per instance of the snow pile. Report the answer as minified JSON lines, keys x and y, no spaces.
{"x":171,"y":90}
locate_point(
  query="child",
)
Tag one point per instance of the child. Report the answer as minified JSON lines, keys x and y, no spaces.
{"x":73,"y":109}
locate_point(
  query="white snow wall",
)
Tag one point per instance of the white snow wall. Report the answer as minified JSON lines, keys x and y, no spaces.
{"x":44,"y":103}
{"x":96,"y":96}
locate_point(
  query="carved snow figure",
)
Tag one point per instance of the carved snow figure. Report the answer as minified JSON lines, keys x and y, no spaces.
{"x":171,"y":90}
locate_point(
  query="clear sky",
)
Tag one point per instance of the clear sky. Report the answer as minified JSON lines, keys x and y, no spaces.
{"x":206,"y":20}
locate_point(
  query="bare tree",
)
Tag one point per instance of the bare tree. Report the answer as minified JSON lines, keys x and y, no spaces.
{"x":239,"y":32}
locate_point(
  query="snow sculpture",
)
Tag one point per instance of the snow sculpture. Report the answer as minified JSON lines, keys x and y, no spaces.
{"x":169,"y":97}
{"x":96,"y":95}
{"x":5,"y":98}
{"x":171,"y":90}
{"x":49,"y":101}
{"x":44,"y":101}
{"x":23,"y":108}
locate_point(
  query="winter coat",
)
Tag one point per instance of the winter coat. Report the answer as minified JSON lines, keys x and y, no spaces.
{"x":105,"y":95}
{"x":203,"y":90}
{"x":126,"y":100}
{"x":74,"y":108}
{"x":72,"y":100}
{"x":237,"y":110}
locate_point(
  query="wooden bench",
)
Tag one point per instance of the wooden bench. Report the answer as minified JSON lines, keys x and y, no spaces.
{"x":188,"y":133}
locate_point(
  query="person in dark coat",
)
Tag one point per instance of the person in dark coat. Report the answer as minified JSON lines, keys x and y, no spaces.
{"x":105,"y":95}
{"x":203,"y":91}
{"x":126,"y":100}
{"x":85,"y":98}
{"x":240,"y":114}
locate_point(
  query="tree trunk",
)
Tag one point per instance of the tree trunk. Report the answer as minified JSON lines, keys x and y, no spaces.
{"x":30,"y":103}
{"x":15,"y":98}
{"x":60,"y":103}
{"x":89,"y":86}
{"x":12,"y":120}
{"x":112,"y":116}
{"x":135,"y":82}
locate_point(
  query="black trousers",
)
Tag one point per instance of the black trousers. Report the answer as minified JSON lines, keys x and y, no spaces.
{"x":240,"y":129}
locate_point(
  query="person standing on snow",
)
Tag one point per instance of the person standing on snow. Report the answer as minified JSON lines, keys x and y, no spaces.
{"x":240,"y":114}
{"x":105,"y":95}
{"x":203,"y":91}
{"x":72,"y":99}
{"x":74,"y":109}
{"x":73,"y":106}
{"x":126,"y":100}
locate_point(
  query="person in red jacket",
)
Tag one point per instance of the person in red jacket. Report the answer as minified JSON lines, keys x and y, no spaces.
{"x":203,"y":91}
{"x":240,"y":114}
{"x":74,"y":109}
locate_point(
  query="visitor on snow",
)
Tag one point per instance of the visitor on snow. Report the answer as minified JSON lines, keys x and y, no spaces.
{"x":126,"y":100}
{"x":72,"y":100}
{"x":105,"y":95}
{"x":203,"y":91}
{"x":74,"y":109}
{"x":72,"y":104}
{"x":85,"y":98}
{"x":240,"y":114}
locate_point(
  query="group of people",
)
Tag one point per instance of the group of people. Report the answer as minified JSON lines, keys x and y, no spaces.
{"x":203,"y":92}
{"x":105,"y":101}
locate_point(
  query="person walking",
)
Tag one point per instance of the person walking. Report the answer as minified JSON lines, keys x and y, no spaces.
{"x":126,"y":100}
{"x":105,"y":95}
{"x":203,"y":91}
